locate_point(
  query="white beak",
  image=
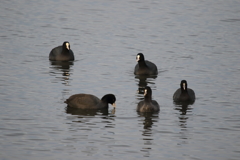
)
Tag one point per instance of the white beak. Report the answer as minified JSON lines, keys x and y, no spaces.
{"x":138,"y":58}
{"x":67,"y":46}
{"x":145,"y":92}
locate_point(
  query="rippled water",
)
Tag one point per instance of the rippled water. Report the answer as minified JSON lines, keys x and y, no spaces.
{"x":193,"y":40}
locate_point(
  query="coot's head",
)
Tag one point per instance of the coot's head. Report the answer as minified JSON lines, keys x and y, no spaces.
{"x":183,"y":84}
{"x":148,"y":92}
{"x":66,"y":45}
{"x":109,"y":98}
{"x":140,"y":57}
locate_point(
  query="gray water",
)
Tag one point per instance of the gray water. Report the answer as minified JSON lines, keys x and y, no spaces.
{"x":193,"y":40}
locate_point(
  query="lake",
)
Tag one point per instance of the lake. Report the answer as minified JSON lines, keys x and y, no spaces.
{"x":193,"y":40}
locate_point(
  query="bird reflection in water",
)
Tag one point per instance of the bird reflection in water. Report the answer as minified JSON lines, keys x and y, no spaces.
{"x":63,"y":68}
{"x":88,"y":118}
{"x":185,"y":110}
{"x":183,"y":107}
{"x":148,"y":122}
{"x":143,"y":81}
{"x":89,"y":112}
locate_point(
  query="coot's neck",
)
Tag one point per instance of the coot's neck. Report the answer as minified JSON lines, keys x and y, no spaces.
{"x":148,"y":98}
{"x":105,"y":100}
{"x":65,"y":51}
{"x":184,"y":91}
{"x":185,"y":96}
{"x":142,"y":63}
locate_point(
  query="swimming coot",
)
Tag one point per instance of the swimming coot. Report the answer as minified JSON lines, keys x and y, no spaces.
{"x":88,"y":101}
{"x":148,"y":105}
{"x":184,"y":93}
{"x":144,"y":67}
{"x":62,"y":53}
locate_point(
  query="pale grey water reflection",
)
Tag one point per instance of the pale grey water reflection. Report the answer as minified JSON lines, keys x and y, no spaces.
{"x":193,"y":40}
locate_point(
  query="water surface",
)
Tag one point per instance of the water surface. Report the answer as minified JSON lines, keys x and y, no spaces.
{"x":197,"y":41}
